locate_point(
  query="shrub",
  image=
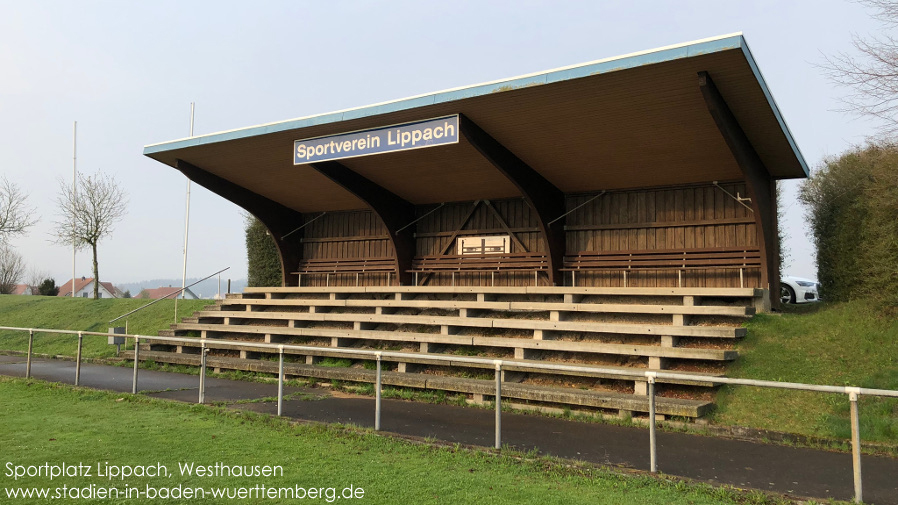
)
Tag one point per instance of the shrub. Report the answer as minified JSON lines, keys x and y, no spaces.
{"x":263,"y":262}
{"x":852,"y":206}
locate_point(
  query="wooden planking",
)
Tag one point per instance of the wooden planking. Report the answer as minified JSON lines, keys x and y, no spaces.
{"x":436,"y":231}
{"x":351,"y":234}
{"x":697,"y":216}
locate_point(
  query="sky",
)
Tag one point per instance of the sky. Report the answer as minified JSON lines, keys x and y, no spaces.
{"x":128,"y":71}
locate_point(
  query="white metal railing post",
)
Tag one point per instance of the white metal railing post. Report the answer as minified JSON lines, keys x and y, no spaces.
{"x":856,"y":445}
{"x":498,"y":403}
{"x":281,"y":380}
{"x":30,"y":349}
{"x":377,"y":391}
{"x":653,"y":446}
{"x":78,"y":358}
{"x":203,"y":351}
{"x":136,"y":361}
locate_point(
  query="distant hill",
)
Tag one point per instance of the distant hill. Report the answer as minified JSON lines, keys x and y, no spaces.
{"x":206,"y":289}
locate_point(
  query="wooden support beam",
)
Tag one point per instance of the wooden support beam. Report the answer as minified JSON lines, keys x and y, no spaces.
{"x":546,"y":200}
{"x":279,"y":220}
{"x":393,"y":211}
{"x":504,"y":225}
{"x":760,"y":185}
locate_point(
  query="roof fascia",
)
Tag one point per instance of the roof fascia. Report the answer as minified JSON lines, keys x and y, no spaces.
{"x":773,"y":106}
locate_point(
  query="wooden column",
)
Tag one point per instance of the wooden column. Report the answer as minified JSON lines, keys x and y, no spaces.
{"x":546,"y":200}
{"x":761,"y":187}
{"x":279,"y":220}
{"x":394,"y":211}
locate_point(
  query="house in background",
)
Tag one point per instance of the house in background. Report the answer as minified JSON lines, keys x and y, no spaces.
{"x":24,"y":289}
{"x":84,"y":288}
{"x":169,"y":292}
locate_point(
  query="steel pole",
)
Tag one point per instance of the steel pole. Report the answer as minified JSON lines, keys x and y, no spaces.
{"x":136,"y":361}
{"x":281,"y":380}
{"x":856,"y":448}
{"x":203,"y":351}
{"x":74,"y":198}
{"x":377,"y":393}
{"x":498,"y":404}
{"x":78,"y":359}
{"x":28,"y":359}
{"x":653,"y":447}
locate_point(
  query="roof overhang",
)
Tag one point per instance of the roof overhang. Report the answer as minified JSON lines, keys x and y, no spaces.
{"x":632,"y":121}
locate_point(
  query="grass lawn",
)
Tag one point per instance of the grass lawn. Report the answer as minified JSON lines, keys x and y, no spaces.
{"x":83,"y":314}
{"x":835,"y":344}
{"x":51,"y":423}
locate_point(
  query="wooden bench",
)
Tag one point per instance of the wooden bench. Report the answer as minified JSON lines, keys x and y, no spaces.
{"x":481,"y":263}
{"x":739,"y":258}
{"x":334,"y":266}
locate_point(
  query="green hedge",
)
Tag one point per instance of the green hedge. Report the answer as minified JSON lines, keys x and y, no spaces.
{"x":263,"y":263}
{"x":852,"y":205}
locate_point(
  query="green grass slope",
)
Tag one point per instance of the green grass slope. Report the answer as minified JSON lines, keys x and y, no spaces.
{"x":51,"y":423}
{"x":82,"y":314}
{"x":835,"y":344}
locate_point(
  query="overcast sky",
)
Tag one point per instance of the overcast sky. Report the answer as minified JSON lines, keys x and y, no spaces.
{"x":127,"y":72}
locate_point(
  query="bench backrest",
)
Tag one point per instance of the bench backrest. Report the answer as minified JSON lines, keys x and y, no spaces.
{"x":666,"y":258}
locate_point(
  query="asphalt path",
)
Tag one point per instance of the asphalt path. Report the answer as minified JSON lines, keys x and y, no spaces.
{"x":718,"y":460}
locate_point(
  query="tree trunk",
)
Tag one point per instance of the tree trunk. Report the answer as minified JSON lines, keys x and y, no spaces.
{"x":96,"y":272}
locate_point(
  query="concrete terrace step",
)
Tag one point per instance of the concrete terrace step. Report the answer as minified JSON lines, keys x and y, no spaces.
{"x":434,"y":358}
{"x":516,"y":343}
{"x":527,"y":392}
{"x":484,"y":322}
{"x":535,"y":290}
{"x":609,"y":308}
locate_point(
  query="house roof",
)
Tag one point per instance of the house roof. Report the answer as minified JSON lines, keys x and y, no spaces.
{"x":164,"y":292}
{"x":21,"y":289}
{"x":66,"y":289}
{"x":631,"y":121}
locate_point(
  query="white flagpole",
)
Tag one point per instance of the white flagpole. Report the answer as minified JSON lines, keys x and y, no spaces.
{"x":74,"y":196}
{"x":186,"y":229}
{"x":187,"y":217}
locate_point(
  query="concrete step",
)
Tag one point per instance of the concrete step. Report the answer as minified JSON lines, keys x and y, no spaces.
{"x":534,"y":290}
{"x":535,"y":393}
{"x":484,"y":322}
{"x":598,"y":308}
{"x":433,"y":359}
{"x":516,"y":343}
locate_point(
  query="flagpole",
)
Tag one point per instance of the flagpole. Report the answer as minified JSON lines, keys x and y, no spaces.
{"x":186,"y":229}
{"x":74,"y":196}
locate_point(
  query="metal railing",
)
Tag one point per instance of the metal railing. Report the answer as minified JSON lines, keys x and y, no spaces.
{"x":650,"y":377}
{"x":166,"y":297}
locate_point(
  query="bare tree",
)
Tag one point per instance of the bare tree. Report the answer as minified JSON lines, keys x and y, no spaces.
{"x":35,"y":276}
{"x":16,"y":216}
{"x":12,"y":269}
{"x":88,"y":216}
{"x":873,"y":74}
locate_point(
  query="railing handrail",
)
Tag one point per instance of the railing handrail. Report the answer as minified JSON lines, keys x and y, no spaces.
{"x":648,"y":374}
{"x":175,"y":293}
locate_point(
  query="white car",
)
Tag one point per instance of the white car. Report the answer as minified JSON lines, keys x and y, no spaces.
{"x":798,"y":290}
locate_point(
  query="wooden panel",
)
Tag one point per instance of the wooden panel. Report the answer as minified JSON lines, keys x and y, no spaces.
{"x":352,"y":234}
{"x":693,"y":217}
{"x":435,"y":231}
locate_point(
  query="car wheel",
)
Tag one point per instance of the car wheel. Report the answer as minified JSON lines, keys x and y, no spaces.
{"x":787,"y":294}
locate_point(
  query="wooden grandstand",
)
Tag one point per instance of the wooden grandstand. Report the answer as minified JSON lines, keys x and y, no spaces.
{"x":674,"y":329}
{"x":619,"y":213}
